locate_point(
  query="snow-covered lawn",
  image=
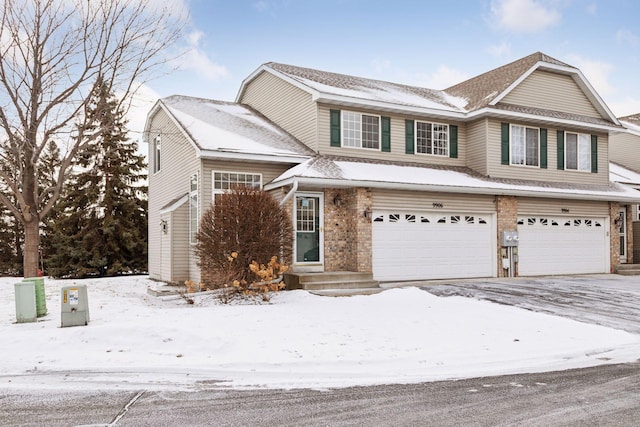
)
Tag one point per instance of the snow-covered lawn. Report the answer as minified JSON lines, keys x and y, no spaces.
{"x":298,"y":340}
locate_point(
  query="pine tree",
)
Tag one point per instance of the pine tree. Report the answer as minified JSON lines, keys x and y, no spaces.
{"x":102,"y":223}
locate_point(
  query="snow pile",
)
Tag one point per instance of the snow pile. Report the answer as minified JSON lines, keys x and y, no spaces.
{"x":298,"y":340}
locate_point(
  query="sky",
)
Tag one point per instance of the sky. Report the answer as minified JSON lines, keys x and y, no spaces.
{"x":405,"y":335}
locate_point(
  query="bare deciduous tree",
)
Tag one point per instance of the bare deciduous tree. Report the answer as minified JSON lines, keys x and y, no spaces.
{"x":51,"y":54}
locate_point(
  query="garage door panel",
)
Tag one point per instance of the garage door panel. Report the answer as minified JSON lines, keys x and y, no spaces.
{"x":559,"y":245}
{"x":408,"y":246}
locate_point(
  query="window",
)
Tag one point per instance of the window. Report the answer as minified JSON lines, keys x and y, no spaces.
{"x":223,"y":181}
{"x":155,"y":151}
{"x":578,"y":152}
{"x":360,"y":130}
{"x":525,"y":146}
{"x":432,"y":138}
{"x":193,"y":207}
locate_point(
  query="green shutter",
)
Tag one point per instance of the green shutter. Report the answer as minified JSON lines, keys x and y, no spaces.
{"x":594,"y":153}
{"x":560,"y":150}
{"x":505,"y":143}
{"x":408,"y":133}
{"x":453,"y":141}
{"x":386,"y":134}
{"x":543,"y":148}
{"x":335,"y":128}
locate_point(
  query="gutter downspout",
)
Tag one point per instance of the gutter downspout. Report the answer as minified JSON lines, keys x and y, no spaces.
{"x":294,"y":188}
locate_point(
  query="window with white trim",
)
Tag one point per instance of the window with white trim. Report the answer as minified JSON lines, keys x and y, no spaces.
{"x":155,"y":152}
{"x":193,"y":207}
{"x":360,"y":130}
{"x":577,"y":152}
{"x":432,"y":138}
{"x":224,"y":181}
{"x":525,"y":146}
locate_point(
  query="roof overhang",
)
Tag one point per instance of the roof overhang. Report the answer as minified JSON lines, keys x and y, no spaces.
{"x":489,"y":191}
{"x":234,"y":155}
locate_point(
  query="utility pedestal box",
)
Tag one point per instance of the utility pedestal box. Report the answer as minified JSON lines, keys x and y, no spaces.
{"x":75,"y":306}
{"x":26,"y":302}
{"x":41,"y":302}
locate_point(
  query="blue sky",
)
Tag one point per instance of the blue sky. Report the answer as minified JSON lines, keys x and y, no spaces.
{"x":426,"y":43}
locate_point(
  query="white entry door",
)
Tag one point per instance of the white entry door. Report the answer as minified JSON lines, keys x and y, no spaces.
{"x":562,"y":245}
{"x":414,"y":245}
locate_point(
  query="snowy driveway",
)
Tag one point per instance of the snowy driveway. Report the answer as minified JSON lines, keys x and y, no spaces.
{"x":604,"y":299}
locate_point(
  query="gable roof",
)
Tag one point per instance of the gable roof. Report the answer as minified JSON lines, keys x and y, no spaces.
{"x":466,"y":100}
{"x":631,"y":123}
{"x":323,"y":171}
{"x":226,"y":129}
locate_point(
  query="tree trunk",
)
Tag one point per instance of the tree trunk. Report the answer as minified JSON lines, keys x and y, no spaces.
{"x":31,"y":248}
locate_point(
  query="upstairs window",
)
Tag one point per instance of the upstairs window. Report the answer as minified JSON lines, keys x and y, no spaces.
{"x":360,"y":130}
{"x":432,"y":138}
{"x":578,"y":152}
{"x":155,"y":152}
{"x":525,"y":146}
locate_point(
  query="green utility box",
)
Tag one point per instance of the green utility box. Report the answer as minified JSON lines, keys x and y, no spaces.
{"x":41,"y":302}
{"x":26,"y":302}
{"x":75,"y":306}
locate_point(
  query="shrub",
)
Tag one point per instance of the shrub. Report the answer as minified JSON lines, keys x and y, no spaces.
{"x":245,"y":222}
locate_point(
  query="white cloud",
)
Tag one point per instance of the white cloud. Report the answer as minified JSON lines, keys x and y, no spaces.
{"x":261,"y":6}
{"x":592,"y":9}
{"x":196,"y":59}
{"x":381,"y":65}
{"x":523,"y":16}
{"x":626,"y":36}
{"x":442,"y":78}
{"x":596,"y":72}
{"x":625,"y":107}
{"x":500,"y":51}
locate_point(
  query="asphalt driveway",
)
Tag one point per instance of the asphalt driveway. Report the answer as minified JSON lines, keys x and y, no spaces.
{"x":603,"y":299}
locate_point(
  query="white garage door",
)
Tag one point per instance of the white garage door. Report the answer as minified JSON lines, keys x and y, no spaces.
{"x":562,"y":245}
{"x":411,"y":246}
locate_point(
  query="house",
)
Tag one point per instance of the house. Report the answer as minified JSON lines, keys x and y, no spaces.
{"x":504,"y":174}
{"x":624,"y":154}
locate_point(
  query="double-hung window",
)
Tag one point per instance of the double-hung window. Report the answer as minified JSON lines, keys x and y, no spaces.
{"x":224,"y":181}
{"x":432,"y":138}
{"x":193,"y":207}
{"x":155,"y":148}
{"x":525,"y":146}
{"x":360,"y":130}
{"x":577,"y":152}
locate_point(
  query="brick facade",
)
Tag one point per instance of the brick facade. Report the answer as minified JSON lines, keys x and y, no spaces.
{"x":507,"y":220}
{"x":630,"y":257}
{"x":347,"y":232}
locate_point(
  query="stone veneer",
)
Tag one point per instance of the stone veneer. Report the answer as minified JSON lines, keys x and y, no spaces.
{"x":347,"y":232}
{"x":507,"y":220}
{"x":630,"y":257}
{"x":614,"y":250}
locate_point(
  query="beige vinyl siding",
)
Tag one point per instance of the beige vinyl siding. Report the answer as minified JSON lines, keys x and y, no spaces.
{"x":557,"y":207}
{"x":284,"y":104}
{"x":398,"y":150}
{"x":166,"y":249}
{"x":175,"y":242}
{"x":551,"y":91}
{"x":552,"y":174}
{"x":624,"y":148}
{"x":477,"y":145}
{"x":178,"y":162}
{"x":424,"y":201}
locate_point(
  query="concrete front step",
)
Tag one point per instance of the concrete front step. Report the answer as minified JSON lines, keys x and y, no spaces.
{"x":628,"y":269}
{"x":347,"y":292}
{"x":330,"y":280}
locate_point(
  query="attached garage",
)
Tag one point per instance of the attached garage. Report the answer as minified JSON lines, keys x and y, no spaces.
{"x":562,"y":245}
{"x":410,"y":245}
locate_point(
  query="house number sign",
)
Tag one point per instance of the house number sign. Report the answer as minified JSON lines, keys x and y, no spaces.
{"x":438,"y":205}
{"x":565,"y":210}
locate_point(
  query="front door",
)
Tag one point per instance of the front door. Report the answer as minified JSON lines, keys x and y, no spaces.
{"x":623,"y":235}
{"x":308,"y":227}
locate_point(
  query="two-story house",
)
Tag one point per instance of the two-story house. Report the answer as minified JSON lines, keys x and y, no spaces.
{"x":504,"y":174}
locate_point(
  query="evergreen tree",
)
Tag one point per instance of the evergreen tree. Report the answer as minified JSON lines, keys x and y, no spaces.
{"x":101,"y":227}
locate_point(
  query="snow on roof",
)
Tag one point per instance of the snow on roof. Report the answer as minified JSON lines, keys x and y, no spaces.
{"x":631,"y":125}
{"x":457,"y":179}
{"x":618,"y":173}
{"x":328,"y":83}
{"x":230,"y":127}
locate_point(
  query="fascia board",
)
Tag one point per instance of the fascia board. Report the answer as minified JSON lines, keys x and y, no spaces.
{"x":339,"y":183}
{"x":571,"y":123}
{"x":230,"y":155}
